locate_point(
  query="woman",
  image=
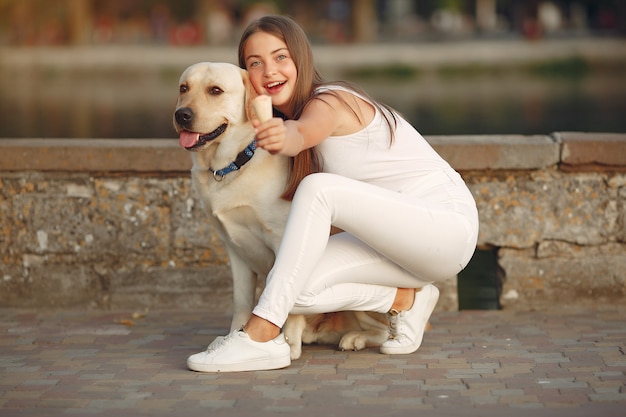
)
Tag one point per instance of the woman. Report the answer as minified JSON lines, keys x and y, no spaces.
{"x":409,"y":219}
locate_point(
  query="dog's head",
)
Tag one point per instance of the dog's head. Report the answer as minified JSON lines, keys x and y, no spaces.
{"x":213,"y":103}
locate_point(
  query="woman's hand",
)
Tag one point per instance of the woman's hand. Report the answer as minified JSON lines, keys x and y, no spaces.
{"x":320,"y":119}
{"x":272,"y":136}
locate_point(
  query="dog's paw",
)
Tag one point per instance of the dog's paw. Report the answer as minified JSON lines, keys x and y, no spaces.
{"x":296,"y":352}
{"x":294,"y":326}
{"x":353,"y":341}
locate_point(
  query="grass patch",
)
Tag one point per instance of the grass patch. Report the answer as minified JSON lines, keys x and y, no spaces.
{"x":567,"y":68}
{"x":572,"y":68}
{"x":465,"y":71}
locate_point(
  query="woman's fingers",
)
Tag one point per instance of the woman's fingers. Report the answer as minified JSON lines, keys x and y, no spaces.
{"x":271,"y":135}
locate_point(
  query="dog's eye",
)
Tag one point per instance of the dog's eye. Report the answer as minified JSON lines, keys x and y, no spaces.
{"x":215,"y":91}
{"x":183,"y":88}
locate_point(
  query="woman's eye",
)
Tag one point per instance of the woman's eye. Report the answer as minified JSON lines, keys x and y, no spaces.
{"x":281,"y":57}
{"x":254,"y":64}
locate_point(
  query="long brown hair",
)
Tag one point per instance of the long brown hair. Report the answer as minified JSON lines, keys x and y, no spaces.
{"x":308,"y":79}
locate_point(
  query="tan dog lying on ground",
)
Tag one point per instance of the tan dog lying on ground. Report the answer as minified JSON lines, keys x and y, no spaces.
{"x":240,"y":188}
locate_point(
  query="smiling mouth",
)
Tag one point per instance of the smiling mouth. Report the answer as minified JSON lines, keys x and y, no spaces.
{"x":192,"y":140}
{"x":274,"y":85}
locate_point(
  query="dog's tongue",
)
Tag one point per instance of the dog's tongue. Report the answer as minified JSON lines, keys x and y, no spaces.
{"x":188,"y":139}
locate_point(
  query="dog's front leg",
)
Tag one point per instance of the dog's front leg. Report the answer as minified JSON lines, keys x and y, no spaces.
{"x":293,"y":329}
{"x":244,"y":290}
{"x":372,"y":333}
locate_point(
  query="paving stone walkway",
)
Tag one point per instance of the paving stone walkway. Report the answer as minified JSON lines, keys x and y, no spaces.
{"x":559,"y":362}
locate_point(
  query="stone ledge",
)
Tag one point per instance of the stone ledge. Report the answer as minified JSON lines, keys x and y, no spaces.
{"x":497,"y":152}
{"x":93,"y":155}
{"x":587,"y":149}
{"x":492,"y":152}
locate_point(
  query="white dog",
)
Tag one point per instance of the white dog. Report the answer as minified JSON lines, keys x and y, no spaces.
{"x":240,"y":188}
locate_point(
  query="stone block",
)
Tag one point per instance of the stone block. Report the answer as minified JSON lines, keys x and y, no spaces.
{"x":518,"y":211}
{"x":49,"y":281}
{"x":559,"y":272}
{"x":208,"y":288}
{"x":95,"y":155}
{"x":497,"y":152}
{"x":606,"y":149}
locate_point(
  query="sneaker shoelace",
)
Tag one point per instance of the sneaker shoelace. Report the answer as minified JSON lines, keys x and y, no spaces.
{"x":393,"y":326}
{"x":220,"y":342}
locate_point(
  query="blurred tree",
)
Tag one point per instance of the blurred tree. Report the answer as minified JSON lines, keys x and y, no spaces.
{"x":79,"y":21}
{"x":364,"y":20}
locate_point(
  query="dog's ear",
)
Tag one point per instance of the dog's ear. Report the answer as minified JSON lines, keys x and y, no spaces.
{"x":249,"y":96}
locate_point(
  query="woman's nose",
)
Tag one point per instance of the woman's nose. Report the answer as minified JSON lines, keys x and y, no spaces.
{"x":270,"y":70}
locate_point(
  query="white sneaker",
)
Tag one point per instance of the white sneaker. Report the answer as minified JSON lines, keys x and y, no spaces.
{"x":406,"y":329}
{"x":237,"y":352}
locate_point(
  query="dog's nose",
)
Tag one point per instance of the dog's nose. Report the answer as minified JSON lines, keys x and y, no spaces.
{"x":183,"y":116}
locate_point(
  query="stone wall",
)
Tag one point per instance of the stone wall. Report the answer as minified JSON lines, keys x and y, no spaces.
{"x":115,"y":223}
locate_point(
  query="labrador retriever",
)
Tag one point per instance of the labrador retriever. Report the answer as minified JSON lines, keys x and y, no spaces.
{"x":240,"y":188}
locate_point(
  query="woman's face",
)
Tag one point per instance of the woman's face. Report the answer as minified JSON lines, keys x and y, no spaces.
{"x":271,"y":69}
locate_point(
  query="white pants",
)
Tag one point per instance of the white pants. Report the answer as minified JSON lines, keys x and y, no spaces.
{"x":391,"y":240}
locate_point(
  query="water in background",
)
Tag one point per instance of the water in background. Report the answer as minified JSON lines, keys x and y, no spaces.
{"x":132,"y":105}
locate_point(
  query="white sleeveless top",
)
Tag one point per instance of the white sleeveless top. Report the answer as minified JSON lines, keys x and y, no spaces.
{"x":405,"y":165}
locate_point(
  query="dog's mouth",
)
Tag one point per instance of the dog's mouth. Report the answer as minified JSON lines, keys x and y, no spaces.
{"x":193,"y":140}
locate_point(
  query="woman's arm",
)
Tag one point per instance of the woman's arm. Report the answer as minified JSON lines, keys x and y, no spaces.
{"x":320,"y":119}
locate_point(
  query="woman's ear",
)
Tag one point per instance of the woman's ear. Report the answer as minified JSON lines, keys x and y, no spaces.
{"x":249,"y":96}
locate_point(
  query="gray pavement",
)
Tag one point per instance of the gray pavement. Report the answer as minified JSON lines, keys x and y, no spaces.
{"x":564,"y":361}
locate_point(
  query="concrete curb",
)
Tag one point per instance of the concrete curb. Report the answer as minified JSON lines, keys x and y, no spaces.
{"x":471,"y":152}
